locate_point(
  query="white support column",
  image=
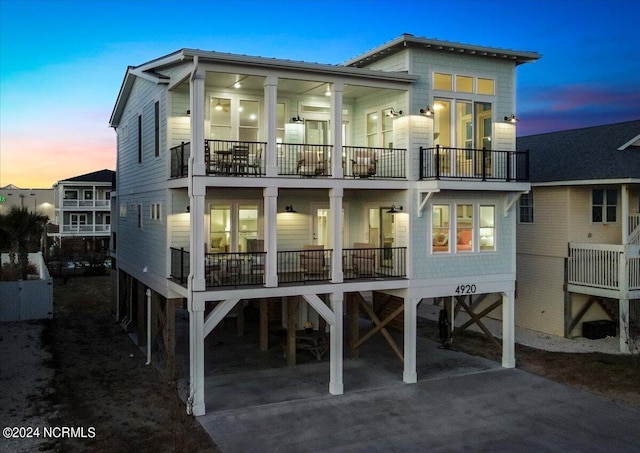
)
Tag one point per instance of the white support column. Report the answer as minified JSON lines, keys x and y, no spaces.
{"x":335,"y":209}
{"x":337,"y":170}
{"x":508,"y":330}
{"x":270,"y":195}
{"x":197,"y":191}
{"x":195,"y":403}
{"x":623,"y":328}
{"x":624,"y":213}
{"x":336,"y":332}
{"x":410,"y":375}
{"x":197,"y":104}
{"x":270,"y":103}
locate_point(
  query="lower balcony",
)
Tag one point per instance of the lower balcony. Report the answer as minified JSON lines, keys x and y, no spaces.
{"x":99,"y":229}
{"x":608,"y":270}
{"x":223,"y":270}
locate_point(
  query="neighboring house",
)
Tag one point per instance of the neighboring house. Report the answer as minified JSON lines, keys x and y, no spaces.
{"x":83,"y":213}
{"x":236,"y":186}
{"x":39,"y":201}
{"x":579,"y":230}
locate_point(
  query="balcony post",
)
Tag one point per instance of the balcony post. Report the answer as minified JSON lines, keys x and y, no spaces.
{"x":197,"y":238}
{"x":421,"y":163}
{"x":270,"y":195}
{"x":270,"y":101}
{"x":337,"y":169}
{"x":624,"y":214}
{"x":509,"y":166}
{"x":335,"y":205}
{"x":437,"y":162}
{"x":197,"y":119}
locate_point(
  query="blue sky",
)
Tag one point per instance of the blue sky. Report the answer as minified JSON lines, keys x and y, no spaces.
{"x":62,"y":61}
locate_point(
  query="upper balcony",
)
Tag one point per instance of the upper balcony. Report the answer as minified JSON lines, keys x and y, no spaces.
{"x":71,"y":204}
{"x":242,"y":158}
{"x":474,"y":164}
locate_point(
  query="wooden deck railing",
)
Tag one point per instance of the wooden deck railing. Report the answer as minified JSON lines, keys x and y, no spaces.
{"x":605,"y":266}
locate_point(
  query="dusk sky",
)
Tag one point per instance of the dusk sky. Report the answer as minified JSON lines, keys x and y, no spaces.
{"x":62,"y":61}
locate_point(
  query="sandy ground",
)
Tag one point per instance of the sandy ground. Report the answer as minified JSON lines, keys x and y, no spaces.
{"x":531,"y":338}
{"x":24,"y":376}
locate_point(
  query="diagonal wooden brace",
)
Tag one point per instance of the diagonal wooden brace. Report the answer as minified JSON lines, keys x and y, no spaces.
{"x":380,"y":326}
{"x":476,"y":319}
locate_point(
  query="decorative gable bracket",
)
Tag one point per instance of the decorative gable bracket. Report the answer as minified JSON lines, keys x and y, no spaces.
{"x":511,"y":200}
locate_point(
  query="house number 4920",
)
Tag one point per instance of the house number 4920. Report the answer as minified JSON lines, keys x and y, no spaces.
{"x":466,"y":289}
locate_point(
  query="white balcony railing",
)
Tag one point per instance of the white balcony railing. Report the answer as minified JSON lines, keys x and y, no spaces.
{"x":99,"y":229}
{"x":87,"y":204}
{"x":606,"y":266}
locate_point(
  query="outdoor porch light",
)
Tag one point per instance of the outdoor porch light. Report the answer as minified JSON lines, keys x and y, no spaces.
{"x":427,"y":111}
{"x":297,"y":119}
{"x":289,"y":208}
{"x":187,"y":209}
{"x":218,"y":106}
{"x":393,"y":113}
{"x":188,"y":112}
{"x":511,"y":119}
{"x":395,"y":210}
{"x":328,"y":91}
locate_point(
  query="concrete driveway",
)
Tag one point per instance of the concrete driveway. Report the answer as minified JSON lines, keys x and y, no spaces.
{"x":460,"y":403}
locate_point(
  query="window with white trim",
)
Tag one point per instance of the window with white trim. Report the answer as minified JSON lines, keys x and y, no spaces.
{"x":604,"y":205}
{"x":463,"y":228}
{"x":525,"y":208}
{"x":155,"y":211}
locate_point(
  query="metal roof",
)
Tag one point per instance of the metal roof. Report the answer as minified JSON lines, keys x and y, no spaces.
{"x":408,"y":40}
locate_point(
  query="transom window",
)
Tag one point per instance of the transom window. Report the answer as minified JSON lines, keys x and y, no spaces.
{"x":464,"y":84}
{"x":604,"y":205}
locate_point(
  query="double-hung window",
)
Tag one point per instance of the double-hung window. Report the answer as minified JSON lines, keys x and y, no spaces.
{"x":525,"y":205}
{"x":604,"y":205}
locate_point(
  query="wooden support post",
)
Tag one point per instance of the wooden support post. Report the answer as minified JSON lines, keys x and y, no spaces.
{"x":336,"y":347}
{"x":142,"y":318}
{"x":170,"y":336}
{"x":292,"y":311}
{"x":354,"y":327}
{"x":264,"y":325}
{"x":240,"y":319}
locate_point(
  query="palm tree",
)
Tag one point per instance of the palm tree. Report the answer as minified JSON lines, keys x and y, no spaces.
{"x":20,"y":228}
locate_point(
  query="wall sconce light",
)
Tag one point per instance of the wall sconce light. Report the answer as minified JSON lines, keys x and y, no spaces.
{"x":511,"y":119}
{"x":427,"y":111}
{"x":188,"y":112}
{"x":218,"y":107}
{"x":289,"y":208}
{"x":395,"y":210}
{"x":328,"y":91}
{"x":297,"y":119}
{"x":392,"y":113}
{"x":188,"y":208}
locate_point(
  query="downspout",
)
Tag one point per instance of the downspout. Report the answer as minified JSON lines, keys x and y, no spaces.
{"x":148,"y":327}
